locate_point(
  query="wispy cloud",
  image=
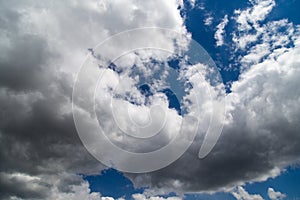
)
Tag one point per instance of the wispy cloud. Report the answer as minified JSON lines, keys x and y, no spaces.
{"x":219,"y":35}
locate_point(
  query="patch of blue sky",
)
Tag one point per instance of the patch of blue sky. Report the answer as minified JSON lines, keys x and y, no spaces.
{"x":114,"y":184}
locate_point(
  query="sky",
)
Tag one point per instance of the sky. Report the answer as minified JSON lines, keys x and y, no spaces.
{"x":149,"y":100}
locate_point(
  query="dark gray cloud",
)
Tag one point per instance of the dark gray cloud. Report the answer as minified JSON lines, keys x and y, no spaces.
{"x":37,"y":132}
{"x":22,"y":189}
{"x":22,"y":65}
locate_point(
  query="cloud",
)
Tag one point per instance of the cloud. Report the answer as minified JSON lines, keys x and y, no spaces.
{"x":208,"y":21}
{"x":249,"y":19}
{"x":192,"y":3}
{"x":42,"y":47}
{"x":242,"y":194}
{"x":273,"y":195}
{"x":271,"y":37}
{"x":143,"y":197}
{"x":219,"y":34}
{"x":63,"y":186}
{"x":259,"y":139}
{"x":45,"y":186}
{"x":256,"y":40}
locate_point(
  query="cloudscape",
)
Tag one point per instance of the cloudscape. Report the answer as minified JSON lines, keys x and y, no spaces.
{"x":149,"y":99}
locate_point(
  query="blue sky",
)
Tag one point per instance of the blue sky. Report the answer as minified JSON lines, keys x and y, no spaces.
{"x":113,"y":183}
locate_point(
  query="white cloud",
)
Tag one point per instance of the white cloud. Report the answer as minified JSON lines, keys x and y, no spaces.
{"x":219,"y":35}
{"x":251,"y":16}
{"x":249,"y":19}
{"x":256,"y":40}
{"x":242,"y":194}
{"x":144,"y":197}
{"x":273,"y":195}
{"x":208,"y":21}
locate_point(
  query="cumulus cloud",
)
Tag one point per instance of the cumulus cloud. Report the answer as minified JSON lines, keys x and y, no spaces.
{"x":242,"y":194}
{"x":260,"y":137}
{"x":273,"y":195}
{"x":62,"y":186}
{"x":45,"y":186}
{"x":41,"y":48}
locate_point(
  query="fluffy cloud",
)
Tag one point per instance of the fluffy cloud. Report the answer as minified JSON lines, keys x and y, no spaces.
{"x":260,"y":137}
{"x":45,"y":186}
{"x":59,"y":187}
{"x":242,"y":194}
{"x":273,"y":195}
{"x":42,"y":46}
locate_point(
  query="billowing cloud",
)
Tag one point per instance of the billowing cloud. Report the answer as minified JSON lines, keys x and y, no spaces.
{"x":45,"y":186}
{"x":42,"y":47}
{"x":259,"y":139}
